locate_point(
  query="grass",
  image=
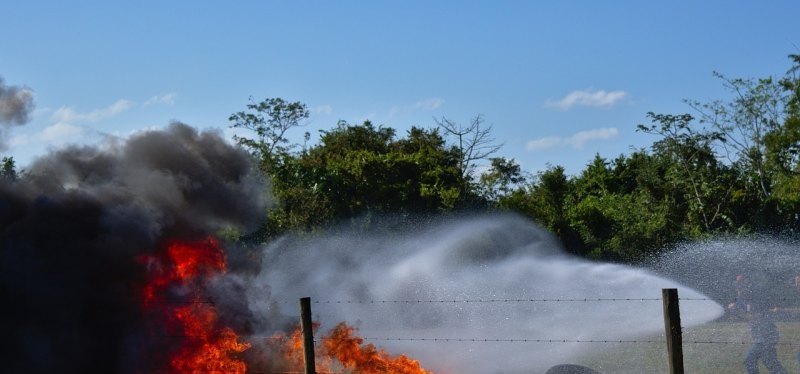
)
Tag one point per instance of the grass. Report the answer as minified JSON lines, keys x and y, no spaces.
{"x":698,"y":357}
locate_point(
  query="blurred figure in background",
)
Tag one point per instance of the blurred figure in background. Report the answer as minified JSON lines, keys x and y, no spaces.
{"x":740,"y":306}
{"x":764,"y":334}
{"x":797,"y":293}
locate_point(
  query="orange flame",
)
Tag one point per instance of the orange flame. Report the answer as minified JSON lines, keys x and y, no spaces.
{"x":342,"y":344}
{"x":203,"y":345}
{"x":342,"y":349}
{"x":292,"y":347}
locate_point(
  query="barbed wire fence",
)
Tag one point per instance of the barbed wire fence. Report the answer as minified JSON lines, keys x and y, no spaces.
{"x":673,"y":331}
{"x":672,"y":327}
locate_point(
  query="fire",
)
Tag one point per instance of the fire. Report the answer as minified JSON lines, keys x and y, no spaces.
{"x":342,"y":344}
{"x":173,"y":300}
{"x":341,"y":349}
{"x":292,"y":347}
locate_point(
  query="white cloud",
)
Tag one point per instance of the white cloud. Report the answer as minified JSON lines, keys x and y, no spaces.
{"x":577,"y":140}
{"x":41,"y":111}
{"x":395,"y":111}
{"x":19,"y":140}
{"x":59,"y":132}
{"x":323,"y":109}
{"x":426,"y":105}
{"x":589,"y":98}
{"x":68,"y":114}
{"x":167,"y":99}
{"x":429,"y":104}
{"x":544,"y":143}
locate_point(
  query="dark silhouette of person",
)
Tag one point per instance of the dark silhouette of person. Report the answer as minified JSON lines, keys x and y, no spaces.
{"x":744,"y":295}
{"x":765,"y":337}
{"x":797,"y":290}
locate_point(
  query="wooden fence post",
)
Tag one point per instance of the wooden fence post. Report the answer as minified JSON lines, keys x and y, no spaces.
{"x":672,"y":329}
{"x":308,"y":335}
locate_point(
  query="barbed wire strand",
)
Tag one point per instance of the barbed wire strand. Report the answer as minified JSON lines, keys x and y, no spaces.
{"x":502,"y":340}
{"x":509,"y":300}
{"x":478,"y":301}
{"x":603,"y":341}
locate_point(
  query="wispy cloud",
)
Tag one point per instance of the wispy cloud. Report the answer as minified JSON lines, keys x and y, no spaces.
{"x":429,"y":104}
{"x":166,"y":99}
{"x":69,"y":125}
{"x":19,"y":140}
{"x":59,"y":132}
{"x":68,"y":114}
{"x":322,"y":109}
{"x":599,"y":98}
{"x":544,"y":143}
{"x":577,"y":140}
{"x":426,"y":105}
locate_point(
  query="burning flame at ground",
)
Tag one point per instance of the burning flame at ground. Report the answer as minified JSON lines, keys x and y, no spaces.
{"x":343,"y":351}
{"x":342,"y":344}
{"x":174,"y":304}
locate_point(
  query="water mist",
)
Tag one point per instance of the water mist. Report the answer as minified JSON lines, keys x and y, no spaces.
{"x":479,"y":258}
{"x":768,"y":263}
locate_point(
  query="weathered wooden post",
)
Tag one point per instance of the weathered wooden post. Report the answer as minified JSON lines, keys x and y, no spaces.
{"x":308,"y":335}
{"x":672,"y":329}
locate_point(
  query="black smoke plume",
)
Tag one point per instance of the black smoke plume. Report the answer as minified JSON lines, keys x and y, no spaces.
{"x":72,"y":228}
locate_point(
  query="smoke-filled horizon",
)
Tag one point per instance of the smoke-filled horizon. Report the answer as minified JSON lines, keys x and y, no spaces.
{"x":73,"y":231}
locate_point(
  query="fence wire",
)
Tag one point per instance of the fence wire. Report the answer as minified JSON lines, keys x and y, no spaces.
{"x":478,"y":301}
{"x":530,"y":300}
{"x":478,"y":340}
{"x":493,"y":340}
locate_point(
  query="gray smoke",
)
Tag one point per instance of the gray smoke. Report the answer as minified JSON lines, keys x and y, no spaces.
{"x":173,"y":179}
{"x":16,"y":104}
{"x":71,"y":232}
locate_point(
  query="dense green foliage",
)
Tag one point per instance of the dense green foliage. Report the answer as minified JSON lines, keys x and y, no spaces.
{"x":733,"y":169}
{"x":359,"y":170}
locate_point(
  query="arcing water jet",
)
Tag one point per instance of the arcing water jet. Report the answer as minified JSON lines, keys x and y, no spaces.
{"x":498,"y":278}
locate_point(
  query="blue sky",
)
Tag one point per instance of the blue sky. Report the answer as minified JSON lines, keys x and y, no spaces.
{"x":559,"y":81}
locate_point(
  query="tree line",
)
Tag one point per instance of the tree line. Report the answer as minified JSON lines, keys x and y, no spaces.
{"x":729,"y":166}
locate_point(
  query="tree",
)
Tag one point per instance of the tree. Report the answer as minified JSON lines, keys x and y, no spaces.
{"x":8,"y":171}
{"x":357,"y":170}
{"x":783,"y":152}
{"x":744,"y":123}
{"x":694,"y":169}
{"x":546,"y":199}
{"x":783,"y":143}
{"x":474,"y":142}
{"x":269,"y":120}
{"x":503,"y":177}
